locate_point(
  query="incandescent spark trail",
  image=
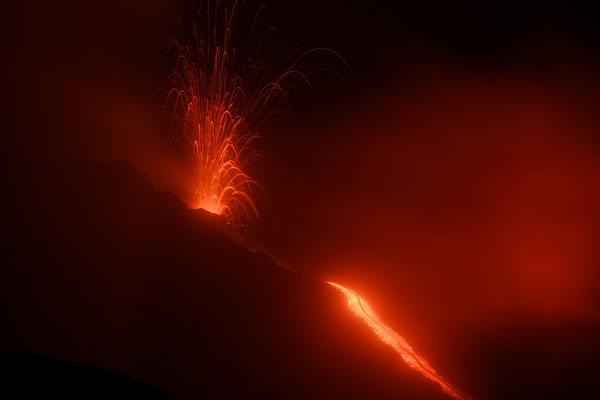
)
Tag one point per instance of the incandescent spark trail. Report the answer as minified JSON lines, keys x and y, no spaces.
{"x":361,"y":309}
{"x":224,"y":85}
{"x":227,"y":81}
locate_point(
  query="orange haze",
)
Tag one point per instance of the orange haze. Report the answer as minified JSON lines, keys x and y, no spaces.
{"x":458,"y":203}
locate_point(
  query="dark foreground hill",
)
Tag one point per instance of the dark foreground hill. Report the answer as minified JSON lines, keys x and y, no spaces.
{"x":32,"y":376}
{"x":102,"y":270}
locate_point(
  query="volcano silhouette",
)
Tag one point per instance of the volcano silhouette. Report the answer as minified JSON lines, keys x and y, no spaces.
{"x":102,"y":270}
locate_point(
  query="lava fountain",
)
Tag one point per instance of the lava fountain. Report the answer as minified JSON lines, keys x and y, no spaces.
{"x":363,"y":310}
{"x":223,"y":87}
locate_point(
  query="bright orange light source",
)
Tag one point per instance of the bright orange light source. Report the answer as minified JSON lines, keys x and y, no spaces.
{"x":361,"y":309}
{"x":225,"y":85}
{"x":222,"y":88}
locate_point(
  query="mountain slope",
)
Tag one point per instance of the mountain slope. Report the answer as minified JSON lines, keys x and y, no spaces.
{"x":102,"y":270}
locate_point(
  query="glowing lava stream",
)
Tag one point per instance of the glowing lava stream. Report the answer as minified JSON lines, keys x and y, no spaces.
{"x":361,"y":309}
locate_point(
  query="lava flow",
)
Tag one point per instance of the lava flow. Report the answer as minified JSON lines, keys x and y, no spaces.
{"x":363,"y":310}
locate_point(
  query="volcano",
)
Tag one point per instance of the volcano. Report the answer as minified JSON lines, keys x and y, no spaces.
{"x":104,"y":271}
